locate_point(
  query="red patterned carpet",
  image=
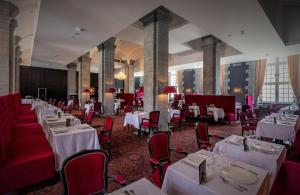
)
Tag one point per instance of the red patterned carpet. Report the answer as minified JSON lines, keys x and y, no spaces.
{"x":130,"y":156}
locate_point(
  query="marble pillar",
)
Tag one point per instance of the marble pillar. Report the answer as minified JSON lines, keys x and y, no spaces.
{"x":7,"y":12}
{"x":106,"y":74}
{"x":18,"y":60}
{"x":84,"y":78}
{"x":156,"y":53}
{"x":211,"y":65}
{"x":129,"y":81}
{"x":12,"y":49}
{"x":72,"y":90}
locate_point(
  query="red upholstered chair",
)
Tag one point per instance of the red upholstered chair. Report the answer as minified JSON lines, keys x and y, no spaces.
{"x":61,"y":106}
{"x":68,"y":109}
{"x":127,"y":109}
{"x":151,"y":123}
{"x":246,"y":124}
{"x":179,"y":119}
{"x":204,"y":114}
{"x":202,"y":135}
{"x":104,"y":133}
{"x":287,"y":180}
{"x":86,"y":173}
{"x":296,"y":144}
{"x":159,"y":149}
{"x":76,"y":103}
{"x":97,"y":107}
{"x":89,"y":118}
{"x":81,"y":116}
{"x":230,"y":117}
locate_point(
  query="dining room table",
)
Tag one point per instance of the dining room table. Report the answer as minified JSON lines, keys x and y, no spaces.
{"x":218,"y":113}
{"x":278,"y":126}
{"x":223,"y":176}
{"x":171,"y":113}
{"x":140,"y":187}
{"x":135,"y":119}
{"x":55,"y":121}
{"x":43,"y":110}
{"x":88,"y":107}
{"x":266,"y":155}
{"x":195,"y":109}
{"x":66,"y":141}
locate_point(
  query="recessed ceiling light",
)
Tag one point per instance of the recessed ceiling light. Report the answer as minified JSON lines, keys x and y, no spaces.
{"x":267,"y":54}
{"x":242,"y":32}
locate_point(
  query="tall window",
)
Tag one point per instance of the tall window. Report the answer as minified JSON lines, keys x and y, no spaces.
{"x":277,"y":87}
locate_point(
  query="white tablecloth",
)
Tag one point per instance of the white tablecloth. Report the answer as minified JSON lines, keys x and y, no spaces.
{"x":289,"y":109}
{"x":27,"y":101}
{"x":195,"y":109}
{"x":135,"y":119}
{"x":71,"y":142}
{"x":182,"y":179}
{"x":270,"y":162}
{"x":217,"y":113}
{"x":172,"y":112}
{"x":70,"y":102}
{"x":140,"y":187}
{"x":43,"y":111}
{"x":283,"y":130}
{"x":47,"y":123}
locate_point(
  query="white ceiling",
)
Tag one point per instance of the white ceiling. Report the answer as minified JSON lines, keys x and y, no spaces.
{"x":106,"y":18}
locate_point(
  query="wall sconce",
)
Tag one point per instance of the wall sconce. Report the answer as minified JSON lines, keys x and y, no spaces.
{"x":237,"y":90}
{"x":112,"y":90}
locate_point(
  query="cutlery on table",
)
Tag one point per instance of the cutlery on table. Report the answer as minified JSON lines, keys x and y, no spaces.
{"x":226,"y":181}
{"x":234,"y":165}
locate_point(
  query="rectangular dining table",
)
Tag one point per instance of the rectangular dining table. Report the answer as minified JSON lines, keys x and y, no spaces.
{"x":181,"y":178}
{"x":139,"y":187}
{"x":285,"y":129}
{"x":134,"y":119}
{"x":270,"y":161}
{"x":66,"y":141}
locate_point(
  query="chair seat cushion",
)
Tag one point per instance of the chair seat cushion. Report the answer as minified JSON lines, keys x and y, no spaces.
{"x":104,"y":139}
{"x":230,"y":116}
{"x":156,"y":175}
{"x":147,"y":124}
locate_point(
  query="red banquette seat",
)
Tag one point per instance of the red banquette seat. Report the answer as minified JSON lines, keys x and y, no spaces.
{"x":25,"y":154}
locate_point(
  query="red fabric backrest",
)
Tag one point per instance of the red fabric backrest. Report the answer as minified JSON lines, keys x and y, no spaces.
{"x":86,"y":173}
{"x":109,"y":121}
{"x":154,"y":117}
{"x":177,"y":97}
{"x":90,"y":117}
{"x":97,"y":106}
{"x":159,"y":146}
{"x":225,"y":102}
{"x":287,"y":180}
{"x":203,"y":110}
{"x":7,"y":119}
{"x":202,"y":131}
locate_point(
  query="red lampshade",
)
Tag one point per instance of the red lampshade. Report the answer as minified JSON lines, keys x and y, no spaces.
{"x":169,"y":89}
{"x":111,"y":90}
{"x":86,"y":90}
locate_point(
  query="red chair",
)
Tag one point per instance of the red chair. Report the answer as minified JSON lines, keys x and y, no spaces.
{"x":151,"y":123}
{"x":62,"y":105}
{"x":86,"y":173}
{"x":296,"y":144}
{"x":160,"y":154}
{"x":58,"y":104}
{"x":204,"y":114}
{"x":179,"y":119}
{"x":97,"y":107}
{"x":287,"y":180}
{"x":128,"y":109}
{"x":89,"y":118}
{"x":104,"y":133}
{"x":76,"y":104}
{"x":202,"y":135}
{"x":246,"y":124}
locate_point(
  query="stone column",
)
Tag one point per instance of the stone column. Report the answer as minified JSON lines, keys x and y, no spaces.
{"x":129,"y":81}
{"x":72,"y":79}
{"x":211,"y":65}
{"x":156,"y":54}
{"x":7,"y":12}
{"x":12,"y":49}
{"x":85,"y":78}
{"x":18,"y":60}
{"x":106,"y":74}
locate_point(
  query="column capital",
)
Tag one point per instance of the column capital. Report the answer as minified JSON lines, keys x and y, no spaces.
{"x":17,"y":40}
{"x":85,"y":57}
{"x":109,"y":43}
{"x":13,"y":10}
{"x":161,"y":13}
{"x":208,"y":41}
{"x":72,"y":65}
{"x":13,"y":25}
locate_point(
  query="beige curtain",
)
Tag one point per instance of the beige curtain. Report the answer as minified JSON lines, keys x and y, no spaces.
{"x":260,"y":77}
{"x":222,"y":79}
{"x":293,"y":64}
{"x":179,"y":82}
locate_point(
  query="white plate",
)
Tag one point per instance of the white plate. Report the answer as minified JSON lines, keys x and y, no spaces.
{"x":237,"y":140}
{"x":52,"y":119}
{"x":82,"y":126}
{"x":266,"y":148}
{"x":195,"y":159}
{"x":239,"y":175}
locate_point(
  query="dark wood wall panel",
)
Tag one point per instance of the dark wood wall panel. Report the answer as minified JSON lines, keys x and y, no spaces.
{"x":54,"y":80}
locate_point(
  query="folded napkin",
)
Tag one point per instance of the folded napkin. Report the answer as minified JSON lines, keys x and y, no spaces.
{"x":82,"y":126}
{"x":60,"y":129}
